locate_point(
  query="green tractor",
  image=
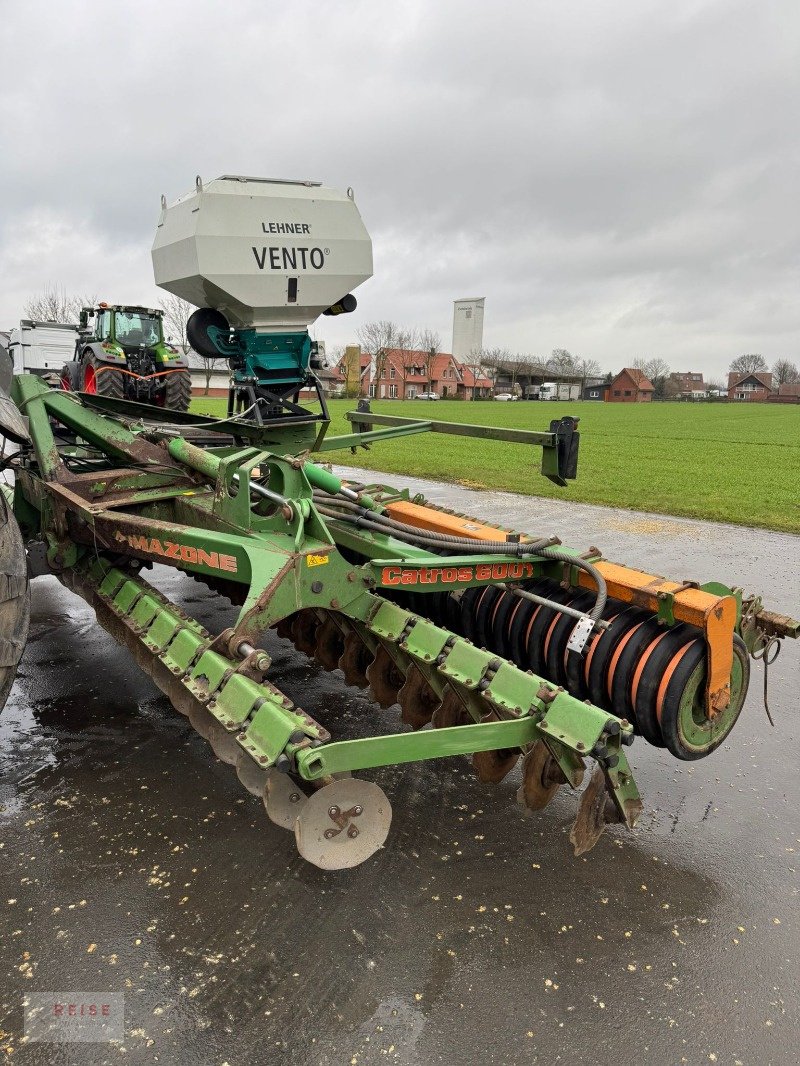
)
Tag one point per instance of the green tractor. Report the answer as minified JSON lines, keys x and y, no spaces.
{"x":121,"y":353}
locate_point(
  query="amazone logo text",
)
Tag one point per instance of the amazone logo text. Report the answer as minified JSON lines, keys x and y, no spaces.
{"x":183,"y":553}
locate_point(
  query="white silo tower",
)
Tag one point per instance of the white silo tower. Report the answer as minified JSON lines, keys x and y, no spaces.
{"x":467,"y":327}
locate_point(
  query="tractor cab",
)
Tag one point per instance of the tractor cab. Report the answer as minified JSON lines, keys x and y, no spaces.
{"x":129,"y":327}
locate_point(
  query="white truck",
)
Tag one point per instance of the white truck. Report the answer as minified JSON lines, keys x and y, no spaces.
{"x":41,"y":347}
{"x":559,"y":390}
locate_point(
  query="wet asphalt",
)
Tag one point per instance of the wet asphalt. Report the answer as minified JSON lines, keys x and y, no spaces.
{"x":132,"y":861}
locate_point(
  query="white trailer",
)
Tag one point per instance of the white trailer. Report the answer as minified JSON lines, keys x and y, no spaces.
{"x":559,"y":390}
{"x":41,"y":347}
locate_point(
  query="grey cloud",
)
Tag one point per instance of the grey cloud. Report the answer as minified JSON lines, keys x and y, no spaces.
{"x":617,"y":178}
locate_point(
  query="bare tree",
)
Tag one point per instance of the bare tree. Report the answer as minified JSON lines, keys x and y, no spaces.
{"x":587,"y":368}
{"x":657,"y":371}
{"x":177,"y":313}
{"x":748,"y":364}
{"x":785,"y":372}
{"x":55,"y":304}
{"x":561,"y":361}
{"x":376,"y":338}
{"x":429,"y":344}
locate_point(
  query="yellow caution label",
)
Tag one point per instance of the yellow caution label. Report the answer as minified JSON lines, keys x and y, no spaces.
{"x":316,"y":560}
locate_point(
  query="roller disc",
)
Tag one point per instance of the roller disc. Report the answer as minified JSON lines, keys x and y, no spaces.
{"x":451,"y":613}
{"x":384,"y":678}
{"x":484,"y":610}
{"x":651,"y":671}
{"x":329,"y":644}
{"x":467,"y":604}
{"x":417,"y":699}
{"x":15,"y":599}
{"x":343,"y":824}
{"x":498,"y":634}
{"x":252,"y":776}
{"x":541,"y":630}
{"x":593,"y":815}
{"x":687,"y":731}
{"x":518,"y":629}
{"x":283,"y":799}
{"x":354,"y":660}
{"x":577,"y":663}
{"x":603,"y":652}
{"x":556,"y":648}
{"x":622,"y":670}
{"x":541,"y":778}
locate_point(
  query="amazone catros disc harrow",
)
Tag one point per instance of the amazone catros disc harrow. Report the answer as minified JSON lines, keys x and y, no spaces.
{"x":506,"y":647}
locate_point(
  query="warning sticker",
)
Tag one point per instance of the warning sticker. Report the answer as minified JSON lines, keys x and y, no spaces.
{"x":316,"y":560}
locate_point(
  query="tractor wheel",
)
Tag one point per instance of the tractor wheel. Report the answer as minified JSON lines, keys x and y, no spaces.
{"x":178,"y":390}
{"x":15,"y":599}
{"x":99,"y":378}
{"x":71,"y":377}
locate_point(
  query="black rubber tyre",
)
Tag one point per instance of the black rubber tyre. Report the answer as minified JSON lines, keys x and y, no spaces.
{"x":577,"y":664}
{"x":197,"y":331}
{"x":96,"y":377}
{"x":651,"y":676}
{"x":557,"y":650}
{"x":621,"y":681}
{"x":499,"y":623}
{"x":687,"y":733}
{"x":15,"y":599}
{"x":543,"y":624}
{"x":604,"y":651}
{"x":467,"y":605}
{"x":484,"y":611}
{"x":71,"y":376}
{"x":178,"y":390}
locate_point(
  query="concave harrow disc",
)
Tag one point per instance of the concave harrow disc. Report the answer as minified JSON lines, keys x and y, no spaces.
{"x":343,"y":824}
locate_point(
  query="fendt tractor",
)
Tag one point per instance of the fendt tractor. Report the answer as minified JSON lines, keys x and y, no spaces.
{"x":504,"y":646}
{"x":121,"y":353}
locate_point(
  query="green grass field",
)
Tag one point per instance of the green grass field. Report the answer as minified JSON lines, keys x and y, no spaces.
{"x":728,"y":462}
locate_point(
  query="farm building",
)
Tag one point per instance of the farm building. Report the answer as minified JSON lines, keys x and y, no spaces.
{"x":755,"y":387}
{"x":630,"y":386}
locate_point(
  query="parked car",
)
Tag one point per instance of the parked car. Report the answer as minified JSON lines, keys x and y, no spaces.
{"x":428,"y":396}
{"x":505,"y":396}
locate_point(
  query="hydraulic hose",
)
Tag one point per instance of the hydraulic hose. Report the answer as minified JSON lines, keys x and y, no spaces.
{"x":344,"y":511}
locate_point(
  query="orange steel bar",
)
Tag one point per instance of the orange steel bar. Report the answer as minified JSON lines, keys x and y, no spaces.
{"x":421,"y":517}
{"x":715,"y":615}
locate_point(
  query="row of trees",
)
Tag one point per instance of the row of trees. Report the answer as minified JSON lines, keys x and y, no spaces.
{"x":784,"y":371}
{"x":419,"y":347}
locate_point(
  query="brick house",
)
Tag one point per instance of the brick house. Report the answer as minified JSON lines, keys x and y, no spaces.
{"x":630,"y":386}
{"x":789,"y":392}
{"x":403,"y":375}
{"x":755,"y":387}
{"x":688,"y":385}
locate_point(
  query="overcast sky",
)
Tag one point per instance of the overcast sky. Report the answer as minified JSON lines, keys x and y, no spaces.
{"x":616,"y":178}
